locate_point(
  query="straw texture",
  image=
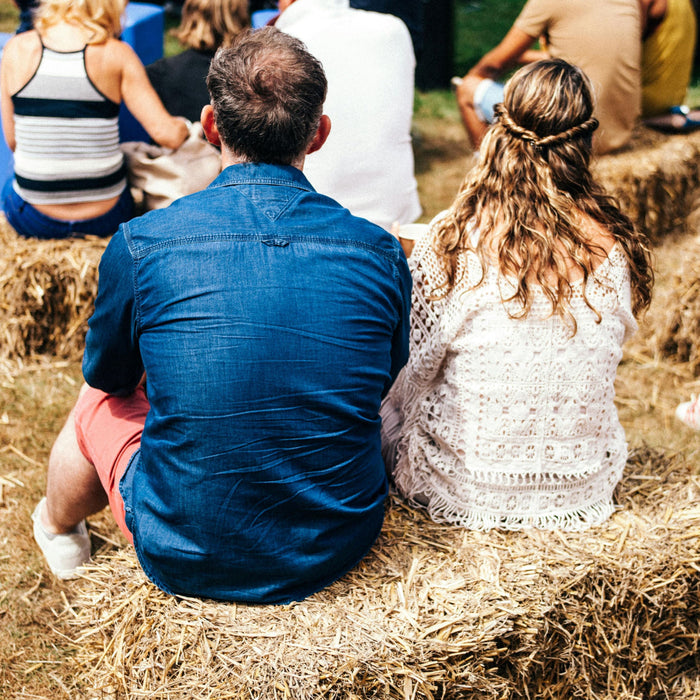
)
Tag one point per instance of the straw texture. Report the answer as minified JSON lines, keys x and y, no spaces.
{"x":432,"y":612}
{"x":655,"y":180}
{"x":678,"y":332}
{"x":47,"y":290}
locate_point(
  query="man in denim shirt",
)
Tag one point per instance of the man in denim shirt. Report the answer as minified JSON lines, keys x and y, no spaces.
{"x":269,"y":323}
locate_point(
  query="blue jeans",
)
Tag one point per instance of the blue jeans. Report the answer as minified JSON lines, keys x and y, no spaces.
{"x":30,"y":223}
{"x":487,"y":95}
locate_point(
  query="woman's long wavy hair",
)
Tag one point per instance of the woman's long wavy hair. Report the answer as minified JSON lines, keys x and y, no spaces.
{"x":530,"y":190}
{"x":208,"y":24}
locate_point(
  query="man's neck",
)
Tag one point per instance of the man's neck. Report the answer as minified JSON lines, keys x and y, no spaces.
{"x":228,"y":157}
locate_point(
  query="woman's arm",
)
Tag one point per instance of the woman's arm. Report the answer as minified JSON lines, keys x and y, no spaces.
{"x":142,"y":100}
{"x":20,"y":58}
{"x":7,"y":109}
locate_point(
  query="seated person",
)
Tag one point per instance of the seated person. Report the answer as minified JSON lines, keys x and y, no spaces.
{"x":60,"y":91}
{"x":270,"y":322}
{"x":410,"y":12}
{"x":668,"y":52}
{"x":524,"y":292}
{"x":600,"y":37}
{"x":367,"y":164}
{"x":181,"y":80}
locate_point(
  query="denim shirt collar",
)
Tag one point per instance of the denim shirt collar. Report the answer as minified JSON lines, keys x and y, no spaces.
{"x":262,"y":174}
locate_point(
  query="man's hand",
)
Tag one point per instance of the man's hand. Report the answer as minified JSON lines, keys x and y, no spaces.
{"x":465,"y":90}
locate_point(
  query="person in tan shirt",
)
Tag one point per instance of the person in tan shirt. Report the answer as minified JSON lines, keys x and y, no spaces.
{"x":601,"y":37}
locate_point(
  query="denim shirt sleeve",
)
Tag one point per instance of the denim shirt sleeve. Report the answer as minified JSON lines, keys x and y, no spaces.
{"x":399,"y":345}
{"x":112,"y":361}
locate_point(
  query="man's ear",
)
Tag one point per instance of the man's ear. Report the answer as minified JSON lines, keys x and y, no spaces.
{"x":324,"y":128}
{"x":209,"y":125}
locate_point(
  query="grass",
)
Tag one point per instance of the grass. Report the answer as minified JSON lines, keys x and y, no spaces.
{"x":478,"y":26}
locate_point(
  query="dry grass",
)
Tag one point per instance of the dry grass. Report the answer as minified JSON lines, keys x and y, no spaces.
{"x":678,"y":331}
{"x":504,"y":614}
{"x":432,"y":612}
{"x":655,"y":178}
{"x":48,"y":288}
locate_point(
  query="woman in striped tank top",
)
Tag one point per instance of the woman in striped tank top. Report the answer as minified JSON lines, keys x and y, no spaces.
{"x":61,"y":86}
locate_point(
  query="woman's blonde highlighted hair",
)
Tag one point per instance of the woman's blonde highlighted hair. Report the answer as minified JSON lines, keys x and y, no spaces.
{"x":208,"y":24}
{"x":531,"y":191}
{"x":102,"y":17}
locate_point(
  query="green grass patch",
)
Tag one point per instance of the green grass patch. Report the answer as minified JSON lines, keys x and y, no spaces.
{"x":171,"y":46}
{"x":478,"y":26}
{"x":436,"y":104}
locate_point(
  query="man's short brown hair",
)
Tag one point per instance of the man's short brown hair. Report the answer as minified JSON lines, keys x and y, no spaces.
{"x":267,"y":92}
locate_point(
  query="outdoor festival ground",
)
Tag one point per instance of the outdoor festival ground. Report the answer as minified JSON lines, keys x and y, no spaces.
{"x":36,"y":651}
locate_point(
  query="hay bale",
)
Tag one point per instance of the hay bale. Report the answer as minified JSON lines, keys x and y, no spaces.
{"x":678,"y":333}
{"x":433,"y":612}
{"x":655,"y":179}
{"x":47,"y":290}
{"x":48,"y":287}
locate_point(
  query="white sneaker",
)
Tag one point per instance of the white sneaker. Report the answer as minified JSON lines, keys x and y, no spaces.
{"x":689,"y":413}
{"x":64,"y":554}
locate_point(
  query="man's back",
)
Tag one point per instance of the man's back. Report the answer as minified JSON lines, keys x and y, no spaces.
{"x":268,"y":322}
{"x":367,"y":162}
{"x":603,"y":38}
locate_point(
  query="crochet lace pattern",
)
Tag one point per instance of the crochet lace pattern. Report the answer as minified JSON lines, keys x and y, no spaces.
{"x":508,"y":422}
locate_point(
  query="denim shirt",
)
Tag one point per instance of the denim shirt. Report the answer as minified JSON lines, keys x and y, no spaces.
{"x":270,"y":323}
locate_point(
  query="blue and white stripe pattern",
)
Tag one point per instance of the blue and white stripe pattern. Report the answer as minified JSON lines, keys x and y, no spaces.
{"x":67,"y":135}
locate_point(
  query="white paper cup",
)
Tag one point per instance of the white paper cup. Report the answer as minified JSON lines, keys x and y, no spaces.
{"x":409,"y":234}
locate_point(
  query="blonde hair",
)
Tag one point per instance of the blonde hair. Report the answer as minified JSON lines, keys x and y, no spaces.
{"x":531,"y":189}
{"x":208,"y":24}
{"x":102,"y":17}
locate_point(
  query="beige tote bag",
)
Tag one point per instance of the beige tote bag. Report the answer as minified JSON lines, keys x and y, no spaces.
{"x":161,"y":175}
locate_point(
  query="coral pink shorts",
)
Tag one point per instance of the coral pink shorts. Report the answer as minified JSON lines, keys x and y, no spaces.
{"x":109,"y":432}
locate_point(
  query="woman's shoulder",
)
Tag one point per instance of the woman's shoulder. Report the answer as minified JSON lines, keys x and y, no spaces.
{"x":597,"y":234}
{"x":114,"y":52}
{"x":20,"y":59}
{"x":22,"y":45}
{"x":111,"y":58}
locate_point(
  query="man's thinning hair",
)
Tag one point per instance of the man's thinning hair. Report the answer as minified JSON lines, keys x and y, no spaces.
{"x":267,"y":92}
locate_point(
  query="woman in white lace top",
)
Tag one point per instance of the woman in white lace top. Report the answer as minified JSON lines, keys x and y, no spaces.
{"x":524,"y":292}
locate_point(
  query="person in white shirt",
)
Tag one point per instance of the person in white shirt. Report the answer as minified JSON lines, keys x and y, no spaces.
{"x":523,"y":294}
{"x":367,"y":164}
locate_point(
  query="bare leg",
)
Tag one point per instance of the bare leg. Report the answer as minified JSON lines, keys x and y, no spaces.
{"x":73,"y":489}
{"x":476,"y":128}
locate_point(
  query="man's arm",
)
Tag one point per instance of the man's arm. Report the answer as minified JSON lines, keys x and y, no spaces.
{"x":504,"y":56}
{"x":112,"y":362}
{"x":507,"y":54}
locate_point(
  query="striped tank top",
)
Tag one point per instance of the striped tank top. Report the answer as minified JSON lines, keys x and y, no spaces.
{"x":67,"y":135}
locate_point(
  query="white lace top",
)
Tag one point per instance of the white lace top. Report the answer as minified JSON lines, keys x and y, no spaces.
{"x":510,"y":422}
